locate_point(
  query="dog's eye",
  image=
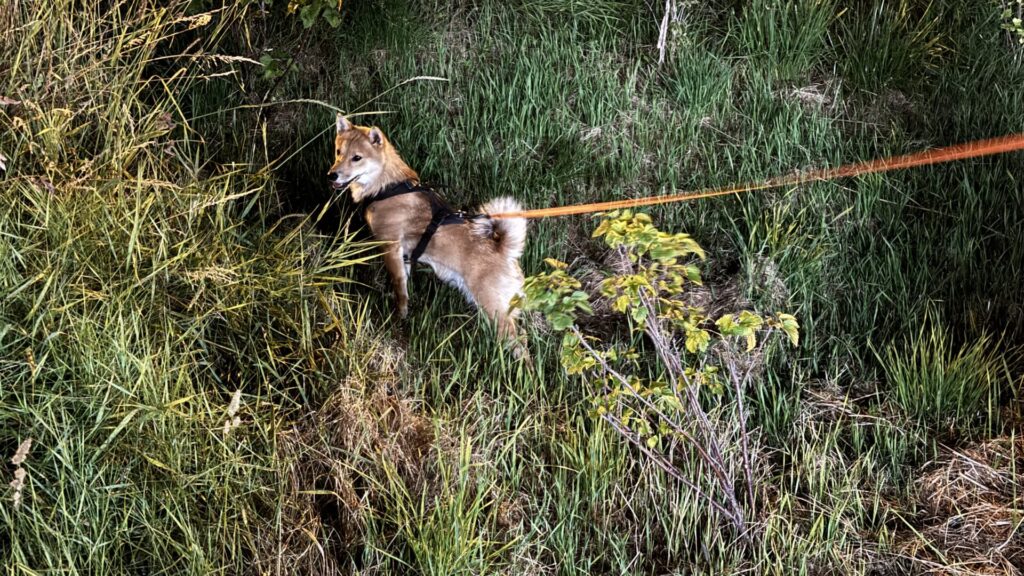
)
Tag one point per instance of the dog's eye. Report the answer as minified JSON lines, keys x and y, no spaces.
{"x":357,"y":158}
{"x":337,"y":152}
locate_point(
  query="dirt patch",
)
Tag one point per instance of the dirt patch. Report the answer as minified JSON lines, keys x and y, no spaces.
{"x":718,"y":296}
{"x":882,"y":112}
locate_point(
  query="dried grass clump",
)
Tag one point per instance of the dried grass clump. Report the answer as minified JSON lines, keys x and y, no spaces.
{"x":334,"y":474}
{"x":18,"y":483}
{"x":972,"y":509}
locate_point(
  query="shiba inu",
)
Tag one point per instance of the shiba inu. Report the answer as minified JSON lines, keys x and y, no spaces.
{"x":476,"y":254}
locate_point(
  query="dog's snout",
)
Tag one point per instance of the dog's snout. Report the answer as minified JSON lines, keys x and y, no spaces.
{"x":332,"y":176}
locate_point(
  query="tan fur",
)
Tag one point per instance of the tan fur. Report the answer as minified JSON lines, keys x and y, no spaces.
{"x":479,"y":257}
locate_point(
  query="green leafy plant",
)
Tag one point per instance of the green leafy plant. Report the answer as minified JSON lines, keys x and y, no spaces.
{"x":1013,"y":19}
{"x":276,"y":64}
{"x":648,"y":287}
{"x":310,"y":11}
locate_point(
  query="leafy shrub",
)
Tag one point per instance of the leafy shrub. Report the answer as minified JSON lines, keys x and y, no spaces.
{"x":310,"y":11}
{"x":660,"y":413}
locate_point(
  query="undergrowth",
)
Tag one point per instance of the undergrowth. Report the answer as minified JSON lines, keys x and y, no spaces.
{"x":197,"y":337}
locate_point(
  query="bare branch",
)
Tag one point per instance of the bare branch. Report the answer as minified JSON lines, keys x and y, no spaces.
{"x":671,"y":470}
{"x":663,"y":31}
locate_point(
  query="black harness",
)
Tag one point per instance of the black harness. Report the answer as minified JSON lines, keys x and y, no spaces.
{"x":441,"y":213}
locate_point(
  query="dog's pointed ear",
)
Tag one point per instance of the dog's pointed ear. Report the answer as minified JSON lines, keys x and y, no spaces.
{"x":343,"y":124}
{"x":376,"y":136}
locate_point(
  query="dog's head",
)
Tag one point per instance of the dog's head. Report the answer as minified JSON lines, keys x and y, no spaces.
{"x":358,"y":156}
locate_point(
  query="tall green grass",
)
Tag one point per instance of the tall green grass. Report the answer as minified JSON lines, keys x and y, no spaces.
{"x":892,"y":44}
{"x":140,"y":290}
{"x":945,"y":387}
{"x":788,"y":36}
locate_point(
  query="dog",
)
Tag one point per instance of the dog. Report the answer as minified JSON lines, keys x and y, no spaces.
{"x":476,"y":254}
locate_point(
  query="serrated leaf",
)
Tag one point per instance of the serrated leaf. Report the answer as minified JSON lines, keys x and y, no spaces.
{"x":639,"y":314}
{"x":749,"y":320}
{"x":672,"y":402}
{"x":697,"y":340}
{"x":584,"y":305}
{"x":663,"y":252}
{"x":621,"y":303}
{"x":560,"y":320}
{"x":726,"y":325}
{"x":789,"y":325}
{"x":333,"y":17}
{"x":696,"y":249}
{"x":308,"y":14}
{"x":692,"y":274}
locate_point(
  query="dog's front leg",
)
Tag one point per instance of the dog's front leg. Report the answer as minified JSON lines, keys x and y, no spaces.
{"x":396,"y":267}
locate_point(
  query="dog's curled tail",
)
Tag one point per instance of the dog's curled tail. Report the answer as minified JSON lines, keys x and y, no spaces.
{"x":509,"y":233}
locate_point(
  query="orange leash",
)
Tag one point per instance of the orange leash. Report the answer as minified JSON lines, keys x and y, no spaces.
{"x":974,"y":149}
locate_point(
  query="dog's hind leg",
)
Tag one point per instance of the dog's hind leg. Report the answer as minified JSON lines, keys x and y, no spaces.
{"x":496,"y":307}
{"x":397,"y":269}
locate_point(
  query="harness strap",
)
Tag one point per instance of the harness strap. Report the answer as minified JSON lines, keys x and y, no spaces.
{"x":440,"y":218}
{"x":441,"y":213}
{"x":397,"y":189}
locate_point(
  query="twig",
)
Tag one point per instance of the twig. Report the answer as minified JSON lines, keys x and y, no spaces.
{"x":625,"y":382}
{"x":663,"y":32}
{"x":671,"y":470}
{"x":675,"y":370}
{"x":744,"y":440}
{"x":671,"y":359}
{"x":714,"y":459}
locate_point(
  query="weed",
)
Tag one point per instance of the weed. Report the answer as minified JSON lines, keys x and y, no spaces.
{"x":892,"y":44}
{"x":953,"y":389}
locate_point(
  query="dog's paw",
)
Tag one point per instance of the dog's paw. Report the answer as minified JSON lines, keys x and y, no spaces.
{"x":520,"y":351}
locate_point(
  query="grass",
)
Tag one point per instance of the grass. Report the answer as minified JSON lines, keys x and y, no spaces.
{"x":893,"y":44}
{"x":948,"y":389}
{"x":166,"y":239}
{"x":789,"y":34}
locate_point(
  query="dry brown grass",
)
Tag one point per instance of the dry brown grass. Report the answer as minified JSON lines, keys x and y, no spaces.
{"x":972,"y":507}
{"x":334,"y":470}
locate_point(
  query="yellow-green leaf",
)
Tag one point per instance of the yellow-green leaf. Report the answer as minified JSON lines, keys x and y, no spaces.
{"x":697,"y":340}
{"x":558,"y":264}
{"x":789,"y":325}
